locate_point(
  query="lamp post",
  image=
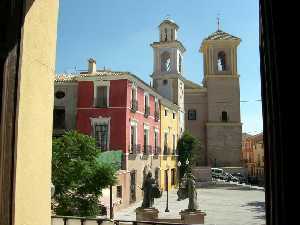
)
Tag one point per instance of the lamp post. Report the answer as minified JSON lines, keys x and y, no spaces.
{"x":187,"y":162}
{"x":111,"y":213}
{"x":167,"y":181}
{"x":178,"y":170}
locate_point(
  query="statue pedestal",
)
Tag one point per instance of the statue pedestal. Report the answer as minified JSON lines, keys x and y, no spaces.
{"x":192,"y":217}
{"x":146,"y":214}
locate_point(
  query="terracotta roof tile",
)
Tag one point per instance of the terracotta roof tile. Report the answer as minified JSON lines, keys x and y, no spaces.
{"x":221,"y":35}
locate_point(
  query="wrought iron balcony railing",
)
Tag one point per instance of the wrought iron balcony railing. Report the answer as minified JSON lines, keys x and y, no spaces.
{"x":134,"y":105}
{"x":147,"y":111}
{"x":156,"y":150}
{"x":147,"y":149}
{"x":167,"y":151}
{"x":134,"y":149}
{"x":156,"y":116}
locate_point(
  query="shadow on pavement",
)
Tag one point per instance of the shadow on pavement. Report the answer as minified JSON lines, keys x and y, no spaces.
{"x":256,"y":206}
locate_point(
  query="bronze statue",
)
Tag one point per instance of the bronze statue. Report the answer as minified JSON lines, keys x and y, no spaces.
{"x":187,"y":189}
{"x":151,"y":191}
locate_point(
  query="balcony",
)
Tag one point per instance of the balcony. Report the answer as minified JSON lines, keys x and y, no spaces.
{"x":167,"y":150}
{"x":134,"y":149}
{"x":147,"y":149}
{"x":147,"y":111}
{"x":156,"y":150}
{"x":156,"y":116}
{"x":134,"y":105}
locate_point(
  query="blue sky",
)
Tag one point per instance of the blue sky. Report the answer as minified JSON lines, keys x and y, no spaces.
{"x":118,"y":33}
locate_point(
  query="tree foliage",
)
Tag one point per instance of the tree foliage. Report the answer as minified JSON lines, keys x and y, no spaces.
{"x":78,"y":176}
{"x":188,"y":147}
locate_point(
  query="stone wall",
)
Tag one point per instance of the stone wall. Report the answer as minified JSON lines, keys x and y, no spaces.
{"x":198,"y":102}
{"x":68,"y":102}
{"x":224,"y":144}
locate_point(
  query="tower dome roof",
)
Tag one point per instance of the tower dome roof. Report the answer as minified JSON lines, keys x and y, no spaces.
{"x":170,"y":22}
{"x":221,"y":35}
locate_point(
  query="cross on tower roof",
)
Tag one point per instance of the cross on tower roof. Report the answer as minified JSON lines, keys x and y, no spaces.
{"x":218,"y":21}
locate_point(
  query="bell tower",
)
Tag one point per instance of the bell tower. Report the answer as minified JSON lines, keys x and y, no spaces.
{"x":224,"y":127}
{"x":167,"y":68}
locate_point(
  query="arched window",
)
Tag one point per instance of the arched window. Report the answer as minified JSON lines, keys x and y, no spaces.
{"x":180,"y":63}
{"x":166,"y":34}
{"x":221,"y":61}
{"x":165,"y":62}
{"x":224,"y":116}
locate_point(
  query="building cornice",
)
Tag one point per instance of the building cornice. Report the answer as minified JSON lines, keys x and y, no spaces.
{"x":169,"y":44}
{"x":230,"y":76}
{"x":196,"y":91}
{"x":224,"y":124}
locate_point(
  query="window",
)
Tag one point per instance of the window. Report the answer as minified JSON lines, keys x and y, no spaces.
{"x":133,"y":136}
{"x":60,"y":94}
{"x":133,"y":94}
{"x":166,"y":112}
{"x":146,"y":104}
{"x":174,"y":143}
{"x":172,"y":35}
{"x":173,"y":176}
{"x":166,"y":143}
{"x":156,"y":105}
{"x":221,"y":61}
{"x":180,"y":59}
{"x":165,"y":62}
{"x":224,"y":116}
{"x":101,"y":96}
{"x":101,"y":136}
{"x":192,"y":115}
{"x":146,"y":140}
{"x":133,"y":148}
{"x":174,"y":115}
{"x":119,"y":191}
{"x":166,"y":34}
{"x":155,"y":140}
{"x":165,"y":82}
{"x":59,"y":118}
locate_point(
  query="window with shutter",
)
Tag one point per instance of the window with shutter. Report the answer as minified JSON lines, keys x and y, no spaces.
{"x":101,"y":136}
{"x":101,"y":98}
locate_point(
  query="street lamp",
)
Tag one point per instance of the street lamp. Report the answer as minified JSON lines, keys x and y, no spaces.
{"x":179,"y":164}
{"x":187,"y":162}
{"x":178,"y":170}
{"x":167,"y":182}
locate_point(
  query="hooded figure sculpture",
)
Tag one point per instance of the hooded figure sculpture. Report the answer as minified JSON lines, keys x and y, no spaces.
{"x":187,"y":189}
{"x":151,"y":191}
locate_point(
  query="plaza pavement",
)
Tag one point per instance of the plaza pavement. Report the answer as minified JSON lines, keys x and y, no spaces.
{"x":228,"y":204}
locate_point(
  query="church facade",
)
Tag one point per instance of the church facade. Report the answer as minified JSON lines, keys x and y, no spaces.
{"x":211,"y":111}
{"x":213,"y":108}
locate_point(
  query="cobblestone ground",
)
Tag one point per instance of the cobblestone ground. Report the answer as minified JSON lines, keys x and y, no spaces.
{"x":229,"y":205}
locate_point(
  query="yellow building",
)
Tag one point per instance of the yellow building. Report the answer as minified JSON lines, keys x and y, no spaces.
{"x":27,"y":65}
{"x":169,"y":137}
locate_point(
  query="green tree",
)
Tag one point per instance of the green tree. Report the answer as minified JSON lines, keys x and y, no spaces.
{"x":78,"y":176}
{"x":188,"y":150}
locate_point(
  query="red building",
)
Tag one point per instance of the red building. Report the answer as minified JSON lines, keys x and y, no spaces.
{"x":119,"y":111}
{"x":122,"y":113}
